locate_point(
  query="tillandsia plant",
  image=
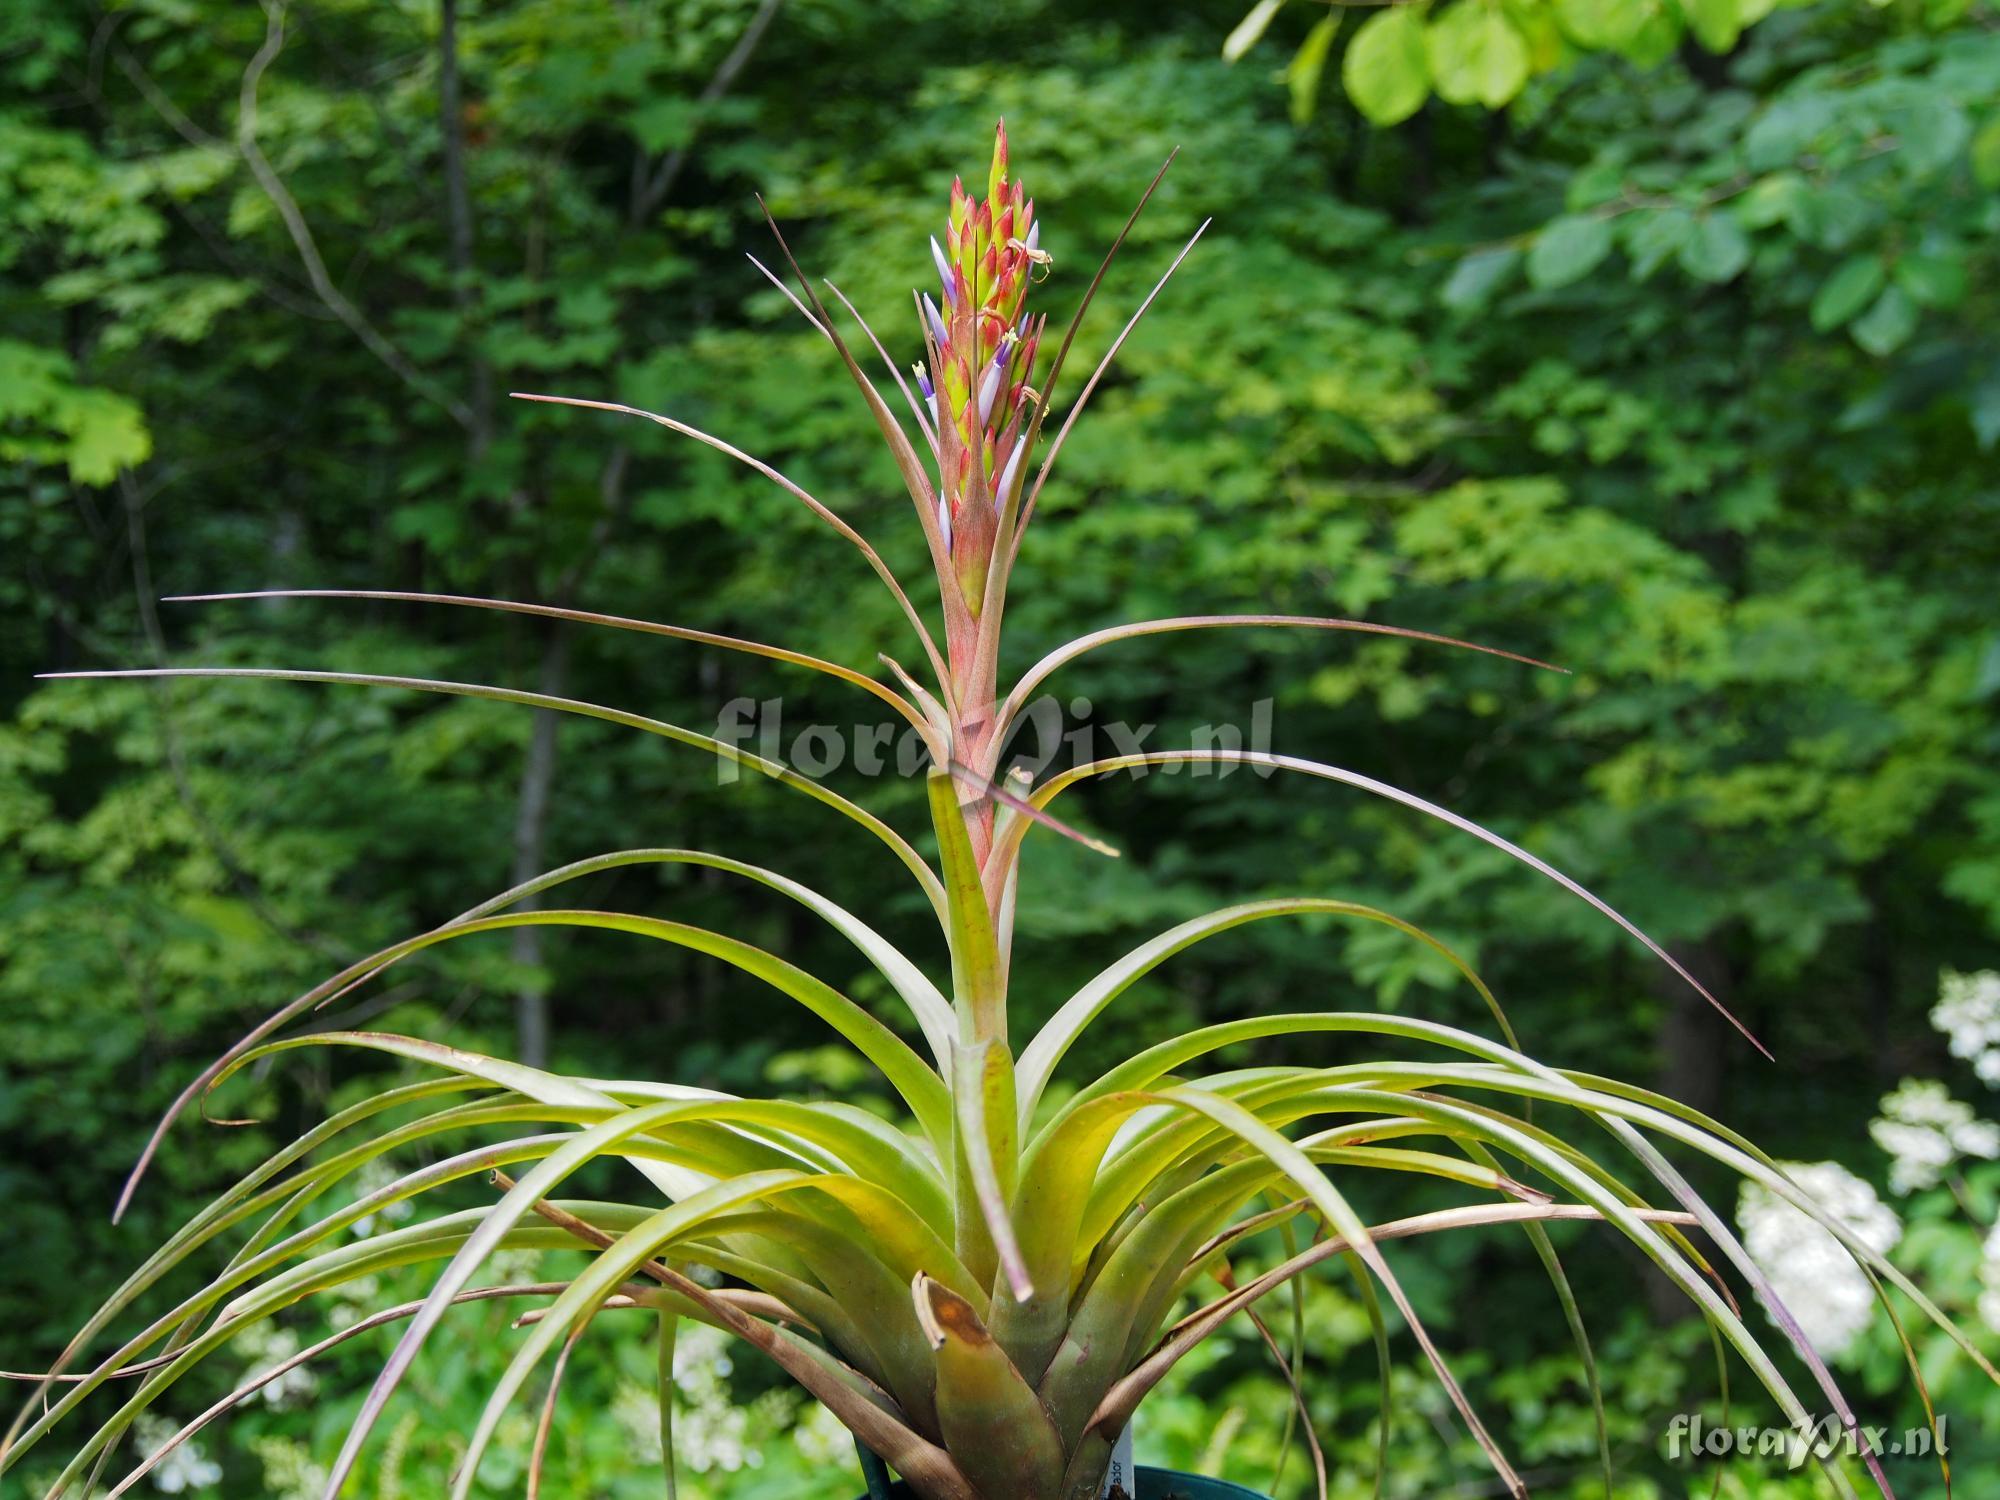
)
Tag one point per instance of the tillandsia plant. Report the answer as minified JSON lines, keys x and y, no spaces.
{"x":986,"y":1296}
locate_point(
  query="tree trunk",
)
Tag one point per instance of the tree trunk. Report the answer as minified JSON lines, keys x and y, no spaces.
{"x":531,"y":827}
{"x":1694,"y":1048}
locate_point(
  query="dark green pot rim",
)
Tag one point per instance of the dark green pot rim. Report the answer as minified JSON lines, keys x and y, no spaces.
{"x":1156,"y":1484}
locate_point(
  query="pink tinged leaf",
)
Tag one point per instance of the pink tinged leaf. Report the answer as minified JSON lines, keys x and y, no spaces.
{"x":997,"y":793}
{"x":854,"y":537}
{"x":888,"y":364}
{"x":1071,"y":650}
{"x":1090,"y":292}
{"x":790,"y":296}
{"x":578,"y":616}
{"x":1187,"y":1334}
{"x":1411,"y":800}
{"x":1090,"y":385}
{"x":257,"y":1382}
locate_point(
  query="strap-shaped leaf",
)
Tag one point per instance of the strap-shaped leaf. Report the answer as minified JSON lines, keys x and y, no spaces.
{"x":1083,"y":396}
{"x":982,"y":1085}
{"x":1545,"y":1251}
{"x":912,"y":1454}
{"x":519,"y":1202}
{"x":1301,"y":1170}
{"x":783,"y":775}
{"x":1070,"y":651}
{"x":875,"y":1328}
{"x":927,"y":1003}
{"x":892,"y":1228}
{"x":1519,"y":1140}
{"x":977,"y":980}
{"x":735,"y":1135}
{"x":368,"y":1324}
{"x":1619,"y":1112}
{"x":907,"y":1073}
{"x":1039,"y":1059}
{"x":860,"y":543}
{"x":587,"y":617}
{"x":1188,"y":1334}
{"x":224,"y":1212}
{"x":919,"y":1086}
{"x":1048,"y":791}
{"x":356,"y":974}
{"x":413,"y":1245}
{"x":1706,"y":1297}
{"x":984,"y":1094}
{"x":862,"y":1143}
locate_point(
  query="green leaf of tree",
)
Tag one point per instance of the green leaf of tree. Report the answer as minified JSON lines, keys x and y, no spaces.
{"x":1607,"y":24}
{"x":1653,"y":237}
{"x":1716,"y":23}
{"x":106,"y":433}
{"x":1308,"y":65}
{"x":1475,"y":54}
{"x":1887,"y":326}
{"x":1385,"y":71}
{"x":1846,"y":292}
{"x":1568,"y":249}
{"x":1250,"y":30}
{"x":1716,"y":250}
{"x":1986,"y":155}
{"x":1478,"y":275}
{"x":1934,"y":280}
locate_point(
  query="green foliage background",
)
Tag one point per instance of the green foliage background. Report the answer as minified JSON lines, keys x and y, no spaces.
{"x":1682,"y":370}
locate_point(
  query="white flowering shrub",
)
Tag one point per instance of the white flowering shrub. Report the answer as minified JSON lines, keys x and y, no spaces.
{"x":1968,"y":1013}
{"x":1925,"y":1132}
{"x":1817,"y":1280}
{"x":1989,"y":1281}
{"x":184,"y":1469}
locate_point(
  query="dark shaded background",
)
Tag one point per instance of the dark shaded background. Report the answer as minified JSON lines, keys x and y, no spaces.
{"x":1685,"y":377}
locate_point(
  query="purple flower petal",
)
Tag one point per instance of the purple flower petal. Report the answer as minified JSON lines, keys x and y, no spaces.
{"x":1007,"y":472}
{"x":944,"y":271}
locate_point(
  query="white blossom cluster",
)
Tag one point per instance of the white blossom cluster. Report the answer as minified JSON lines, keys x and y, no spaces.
{"x":349,"y":1302}
{"x":1812,"y":1273}
{"x":1968,"y":1012}
{"x":712,"y":1431}
{"x":1925,"y":1131}
{"x":185,"y":1468}
{"x":821,"y":1440}
{"x":290,"y":1472}
{"x":267,"y":1346}
{"x":1989,"y":1281}
{"x":372,"y":1178}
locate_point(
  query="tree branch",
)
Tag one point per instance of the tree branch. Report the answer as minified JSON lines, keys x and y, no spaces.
{"x":647,"y":199}
{"x":458,"y":213}
{"x":302,"y":237}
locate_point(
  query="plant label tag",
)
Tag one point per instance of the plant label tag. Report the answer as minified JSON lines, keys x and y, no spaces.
{"x":1121,"y":1481}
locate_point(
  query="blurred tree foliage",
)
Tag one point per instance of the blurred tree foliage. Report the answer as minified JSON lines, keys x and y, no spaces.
{"x":1680,"y":371}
